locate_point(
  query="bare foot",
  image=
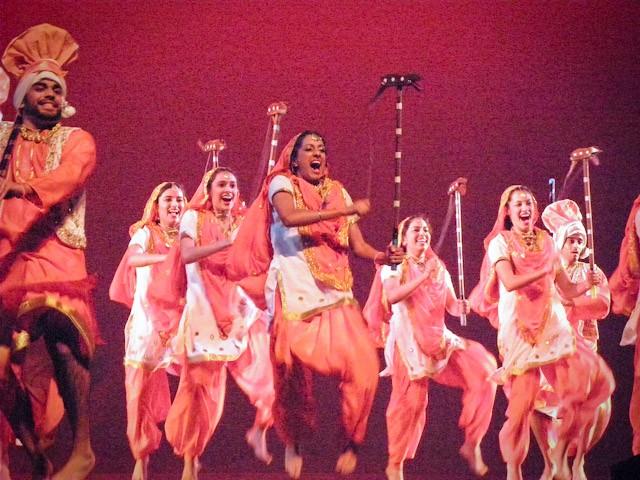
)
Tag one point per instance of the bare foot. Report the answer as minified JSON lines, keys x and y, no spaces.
{"x":292,"y":461}
{"x":394,"y":472}
{"x":577,"y":469}
{"x":190,"y":469}
{"x":346,"y":462}
{"x":141,"y":469}
{"x":514,"y":472}
{"x":547,"y":473}
{"x":473,"y":456}
{"x":559,"y":463}
{"x":78,"y":467}
{"x":256,"y":438}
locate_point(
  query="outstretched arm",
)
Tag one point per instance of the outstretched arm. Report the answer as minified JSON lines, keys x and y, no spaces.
{"x":362,"y":249}
{"x":297,"y":217}
{"x":138,"y":258}
{"x":190,"y":252}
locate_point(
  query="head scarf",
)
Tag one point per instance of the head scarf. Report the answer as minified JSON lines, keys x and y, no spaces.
{"x":563,"y":219}
{"x":150,"y":213}
{"x":498,"y":226}
{"x":41,"y":52}
{"x":201,"y":199}
{"x":123,"y":284}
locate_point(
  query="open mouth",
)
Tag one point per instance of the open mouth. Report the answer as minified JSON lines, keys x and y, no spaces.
{"x":227,"y":198}
{"x":174,"y":212}
{"x":316,"y":165}
{"x":525,"y":216}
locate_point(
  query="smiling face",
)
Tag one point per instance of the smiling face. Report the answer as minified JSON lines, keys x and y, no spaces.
{"x":572,"y":248}
{"x":223,"y":191}
{"x":520,"y":210}
{"x":43,"y":103}
{"x":170,"y":207}
{"x":417,"y":237}
{"x":310,"y":160}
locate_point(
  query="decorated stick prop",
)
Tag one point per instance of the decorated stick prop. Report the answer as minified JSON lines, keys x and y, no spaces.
{"x":275,"y":111}
{"x":458,"y":189}
{"x":212,"y":148}
{"x":552,"y":190}
{"x":587,"y":155}
{"x":399,"y":82}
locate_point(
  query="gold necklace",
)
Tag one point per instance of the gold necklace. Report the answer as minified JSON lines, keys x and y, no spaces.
{"x":527,"y":239}
{"x":169,"y":235}
{"x":227,"y":227}
{"x":39,"y":136}
{"x":421,"y":263}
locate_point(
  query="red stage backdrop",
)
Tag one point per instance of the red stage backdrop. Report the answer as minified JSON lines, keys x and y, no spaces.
{"x":510,"y":89}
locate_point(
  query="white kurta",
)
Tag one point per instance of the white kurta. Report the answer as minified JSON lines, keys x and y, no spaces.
{"x":143,"y":346}
{"x":401,"y":336}
{"x":289,"y":272}
{"x":199,"y":339}
{"x":556,"y":340}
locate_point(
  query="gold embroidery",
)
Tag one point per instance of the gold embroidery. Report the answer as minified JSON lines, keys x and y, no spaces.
{"x":530,"y":241}
{"x":55,"y":303}
{"x":342,"y":282}
{"x":39,"y":136}
{"x":70,"y":212}
{"x":294,"y":316}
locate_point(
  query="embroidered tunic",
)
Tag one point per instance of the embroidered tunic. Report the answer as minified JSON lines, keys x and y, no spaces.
{"x":402,"y":337}
{"x":302,"y":296}
{"x":533,"y":328}
{"x":199,"y":338}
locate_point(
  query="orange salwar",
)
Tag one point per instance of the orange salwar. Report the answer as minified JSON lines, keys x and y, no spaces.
{"x":199,"y":401}
{"x":581,"y":382}
{"x":148,"y":401}
{"x":334,"y":342}
{"x":467,"y":369}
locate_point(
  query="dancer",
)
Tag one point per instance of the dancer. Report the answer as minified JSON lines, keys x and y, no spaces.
{"x":44,"y":286}
{"x":564,"y":220}
{"x":220,"y":329}
{"x":625,"y":284}
{"x":146,"y":351}
{"x":303,"y":224}
{"x":419,"y":347}
{"x":517,"y":292}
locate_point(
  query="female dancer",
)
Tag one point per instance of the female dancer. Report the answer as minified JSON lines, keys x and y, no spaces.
{"x":419,"y":347}
{"x":517,"y":292}
{"x":220,"y":329}
{"x":625,"y":286}
{"x":564,"y":220}
{"x":146,"y":351}
{"x":305,"y":223}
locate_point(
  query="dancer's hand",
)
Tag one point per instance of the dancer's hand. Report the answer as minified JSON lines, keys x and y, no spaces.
{"x":594,"y":277}
{"x":394,"y":255}
{"x":463,"y":307}
{"x":361,"y":207}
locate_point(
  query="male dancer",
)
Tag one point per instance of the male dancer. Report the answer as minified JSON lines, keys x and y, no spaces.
{"x":43,"y":279}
